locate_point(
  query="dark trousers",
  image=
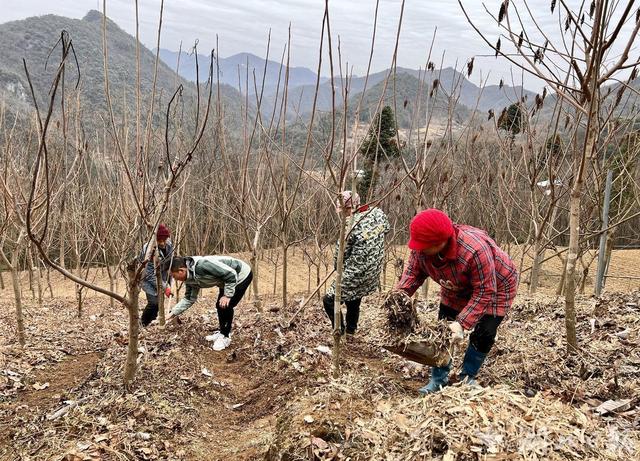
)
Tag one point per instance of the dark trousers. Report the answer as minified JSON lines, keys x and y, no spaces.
{"x":353,"y":312}
{"x":484,"y":334}
{"x":150,"y":311}
{"x":225,"y":315}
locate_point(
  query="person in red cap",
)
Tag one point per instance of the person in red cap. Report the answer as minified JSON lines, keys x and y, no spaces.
{"x":478,"y":284}
{"x":148,"y":283}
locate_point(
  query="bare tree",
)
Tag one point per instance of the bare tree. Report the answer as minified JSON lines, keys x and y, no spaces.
{"x":144,"y":202}
{"x":576,"y":70}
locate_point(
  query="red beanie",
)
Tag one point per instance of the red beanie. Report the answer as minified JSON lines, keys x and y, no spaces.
{"x":163,"y":232}
{"x":429,"y":228}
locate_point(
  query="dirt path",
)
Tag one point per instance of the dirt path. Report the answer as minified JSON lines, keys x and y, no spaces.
{"x":232,"y":427}
{"x":48,"y":390}
{"x":59,"y":380}
{"x":242,"y":424}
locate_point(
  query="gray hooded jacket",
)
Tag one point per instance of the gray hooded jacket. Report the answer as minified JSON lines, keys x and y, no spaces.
{"x":211,"y":271}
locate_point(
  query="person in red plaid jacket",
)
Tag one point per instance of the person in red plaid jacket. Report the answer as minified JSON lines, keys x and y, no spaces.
{"x":478,"y":284}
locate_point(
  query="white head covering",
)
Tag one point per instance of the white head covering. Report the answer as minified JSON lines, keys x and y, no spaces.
{"x":350,"y":199}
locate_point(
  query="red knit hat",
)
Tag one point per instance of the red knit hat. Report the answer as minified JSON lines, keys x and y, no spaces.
{"x":163,"y":232}
{"x":429,"y":228}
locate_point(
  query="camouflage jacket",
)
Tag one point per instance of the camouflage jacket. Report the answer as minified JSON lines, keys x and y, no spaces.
{"x":363,"y":254}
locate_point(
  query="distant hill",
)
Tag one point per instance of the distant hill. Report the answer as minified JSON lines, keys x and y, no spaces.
{"x":411,"y":84}
{"x":482,"y":98}
{"x":451,"y":82}
{"x":233,"y":70}
{"x":302,"y":83}
{"x":33,"y":38}
{"x":412,"y":99}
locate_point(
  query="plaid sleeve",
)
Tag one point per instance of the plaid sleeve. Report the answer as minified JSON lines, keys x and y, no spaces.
{"x":483,"y":283}
{"x":413,"y":276}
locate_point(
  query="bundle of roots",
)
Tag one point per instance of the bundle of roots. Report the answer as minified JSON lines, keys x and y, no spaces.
{"x":403,"y":333}
{"x":402,"y":317}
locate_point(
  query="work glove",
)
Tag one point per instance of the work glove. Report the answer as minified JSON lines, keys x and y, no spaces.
{"x":457,"y":333}
{"x":167,"y":292}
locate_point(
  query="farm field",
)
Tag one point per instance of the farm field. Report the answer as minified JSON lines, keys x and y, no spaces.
{"x":189,"y":189}
{"x":271,"y":395}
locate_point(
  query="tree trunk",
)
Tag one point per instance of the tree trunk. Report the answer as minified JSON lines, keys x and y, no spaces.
{"x":574,"y":218}
{"x":597,"y":286}
{"x":131,"y":364}
{"x":285,"y":265}
{"x":275,"y":278}
{"x":318,"y":279}
{"x":572,"y":259}
{"x":30,"y":272}
{"x":254,"y":267}
{"x":563,"y":277}
{"x":383,"y":285}
{"x":15,"y":280}
{"x":178,"y":288}
{"x":49,"y":282}
{"x":540,"y":252}
{"x":253,"y":261}
{"x":580,"y":158}
{"x":1,"y":281}
{"x":538,"y":256}
{"x":112,"y":285}
{"x":425,"y":289}
{"x":38,"y":276}
{"x":337,"y":311}
{"x":583,"y":282}
{"x":79,"y":299}
{"x":608,"y":252}
{"x":62,"y":238}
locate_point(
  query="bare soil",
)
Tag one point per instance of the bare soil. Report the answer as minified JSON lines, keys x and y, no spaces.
{"x":195,"y":403}
{"x":271,"y":395}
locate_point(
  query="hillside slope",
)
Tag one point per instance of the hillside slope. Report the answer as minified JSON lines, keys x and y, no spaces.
{"x":33,"y":39}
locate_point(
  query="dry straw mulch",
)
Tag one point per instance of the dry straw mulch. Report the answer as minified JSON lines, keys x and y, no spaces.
{"x":537,"y":403}
{"x":402,"y":330}
{"x":471,"y":423}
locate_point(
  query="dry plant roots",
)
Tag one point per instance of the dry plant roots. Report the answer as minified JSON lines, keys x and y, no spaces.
{"x":406,"y":334}
{"x":402,"y":317}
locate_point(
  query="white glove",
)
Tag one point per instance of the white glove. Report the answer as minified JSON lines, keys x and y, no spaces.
{"x":457,"y":333}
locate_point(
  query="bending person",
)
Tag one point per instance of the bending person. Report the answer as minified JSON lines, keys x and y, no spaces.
{"x":233,"y":277}
{"x":478,"y":284}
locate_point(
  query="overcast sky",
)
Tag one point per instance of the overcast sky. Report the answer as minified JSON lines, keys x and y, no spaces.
{"x":243,"y":26}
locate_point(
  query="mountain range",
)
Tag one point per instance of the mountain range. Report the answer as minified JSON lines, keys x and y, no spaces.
{"x":411,"y":91}
{"x":235,"y":69}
